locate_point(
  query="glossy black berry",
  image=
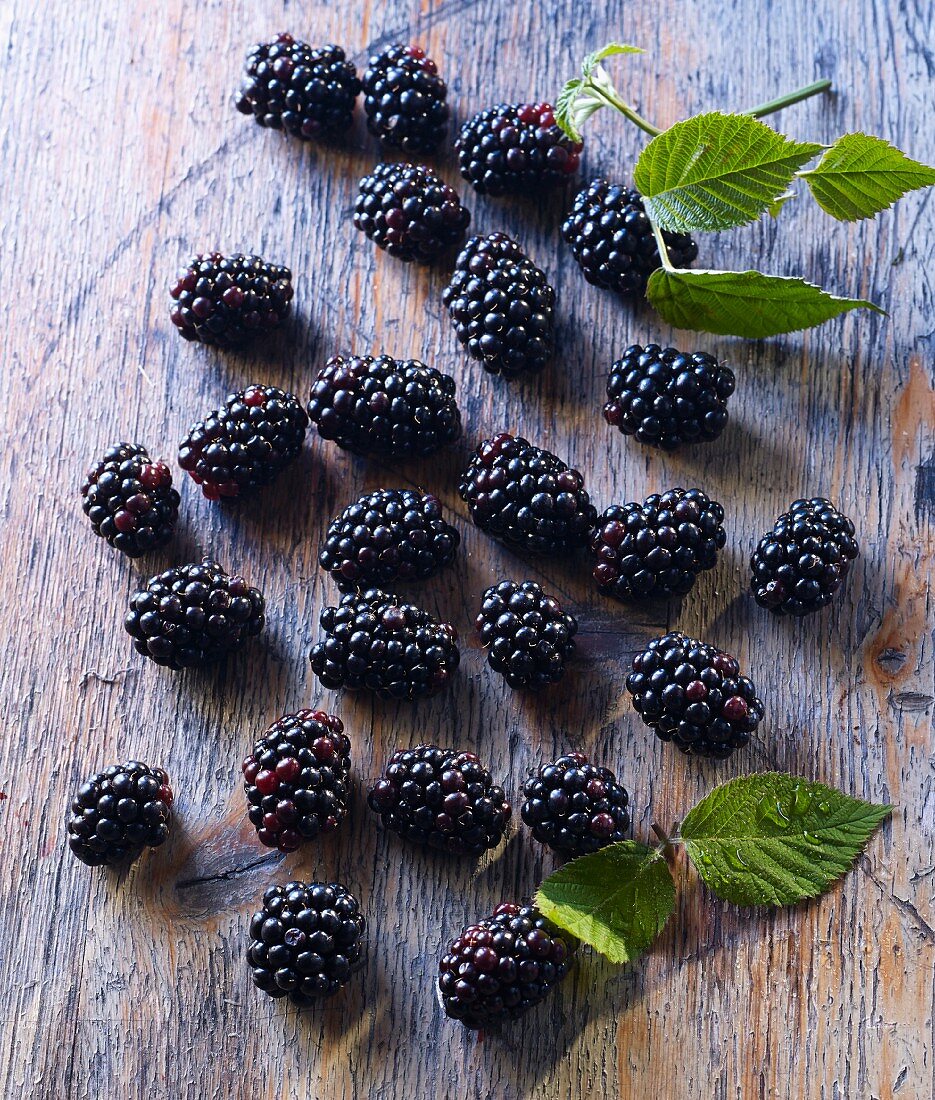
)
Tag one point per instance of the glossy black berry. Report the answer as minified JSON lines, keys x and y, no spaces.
{"x":404,"y":99}
{"x":527,"y":634}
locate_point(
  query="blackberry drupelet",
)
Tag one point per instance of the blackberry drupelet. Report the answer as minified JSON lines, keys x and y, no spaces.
{"x":527,"y":497}
{"x":193,"y":615}
{"x":665,"y":398}
{"x":441,"y":798}
{"x":227,"y":300}
{"x":527,"y":634}
{"x":373,"y":641}
{"x":693,"y":695}
{"x":404,"y":99}
{"x":119,"y":812}
{"x":799,"y":564}
{"x":130,"y":501}
{"x":501,"y":966}
{"x":394,"y":408}
{"x":306,"y":941}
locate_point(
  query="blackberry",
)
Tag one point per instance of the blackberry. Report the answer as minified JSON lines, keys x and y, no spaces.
{"x":193,"y":615}
{"x":246,"y":444}
{"x":693,"y":695}
{"x":394,"y":408}
{"x":527,"y":634}
{"x":404,"y":99}
{"x":394,"y":649}
{"x":409,"y":212}
{"x":227,"y":300}
{"x":666,"y":398}
{"x":390,"y":535}
{"x":501,"y":966}
{"x":612,"y":239}
{"x":657,"y":548}
{"x":130,"y":501}
{"x":799,"y":564}
{"x":526,"y":497}
{"x":515,"y":148}
{"x":306,"y":92}
{"x":119,"y":812}
{"x":306,"y":941}
{"x":575,"y":807}
{"x":441,"y":798}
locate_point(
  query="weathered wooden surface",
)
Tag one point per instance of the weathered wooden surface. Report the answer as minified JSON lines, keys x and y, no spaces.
{"x":122,"y":154}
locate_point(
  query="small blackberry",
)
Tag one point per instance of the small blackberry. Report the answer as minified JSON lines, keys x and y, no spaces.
{"x":443,"y":799}
{"x":306,"y":941}
{"x":409,"y":212}
{"x":693,"y":695}
{"x":526,"y":497}
{"x":799,"y":564}
{"x":227,"y":300}
{"x":130,"y":501}
{"x":527,"y":634}
{"x":119,"y":812}
{"x":394,"y":649}
{"x":306,"y":92}
{"x":394,"y":408}
{"x":515,"y":148}
{"x":246,"y":444}
{"x":501,"y":966}
{"x":612,"y":239}
{"x":575,"y":807}
{"x":386,"y":536}
{"x":404,"y":99}
{"x":193,"y":615}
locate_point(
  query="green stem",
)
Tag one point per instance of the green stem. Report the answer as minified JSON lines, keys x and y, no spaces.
{"x":661,"y":245}
{"x":615,"y":101}
{"x":787,"y":100}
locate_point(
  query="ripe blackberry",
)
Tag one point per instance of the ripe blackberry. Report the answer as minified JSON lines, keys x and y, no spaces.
{"x":526,"y":497}
{"x":193,"y":615}
{"x":306,"y":92}
{"x":130,"y":501}
{"x":613,"y":242}
{"x":515,"y":148}
{"x":404,"y":99}
{"x":227,"y":300}
{"x":306,"y":941}
{"x":296,"y":779}
{"x":394,"y":649}
{"x":395,"y":408}
{"x":575,"y":807}
{"x":386,"y":536}
{"x":527,"y":634}
{"x":246,"y":444}
{"x":693,"y":695}
{"x":798,"y":565}
{"x":501,"y":966}
{"x":119,"y":812}
{"x":409,"y":212}
{"x":441,"y":798}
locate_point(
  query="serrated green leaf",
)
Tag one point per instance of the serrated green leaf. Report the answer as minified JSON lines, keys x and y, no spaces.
{"x":617,"y":899}
{"x":716,"y":171}
{"x":584,"y":95}
{"x":860,"y":175}
{"x":565,"y":104}
{"x":775,"y":839}
{"x":612,"y":49}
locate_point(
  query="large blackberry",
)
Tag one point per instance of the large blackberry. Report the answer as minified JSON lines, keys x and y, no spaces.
{"x":394,"y":649}
{"x":395,"y":408}
{"x":694,"y":696}
{"x":296,"y":779}
{"x":515,"y":148}
{"x":798,"y":565}
{"x":501,"y":966}
{"x":526,"y":497}
{"x":441,"y":798}
{"x":227,"y":300}
{"x":409,"y":212}
{"x":306,"y":941}
{"x":193,"y":615}
{"x":527,"y":634}
{"x":404,"y":99}
{"x":612,"y":239}
{"x":119,"y":812}
{"x":130,"y":501}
